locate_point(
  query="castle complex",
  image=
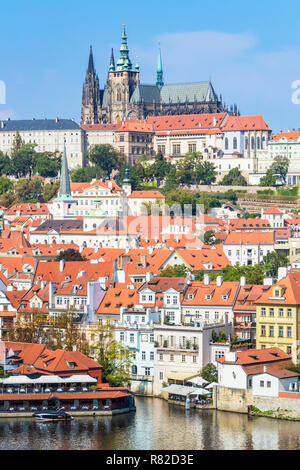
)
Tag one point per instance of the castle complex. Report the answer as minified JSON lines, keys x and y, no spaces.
{"x":124,"y":97}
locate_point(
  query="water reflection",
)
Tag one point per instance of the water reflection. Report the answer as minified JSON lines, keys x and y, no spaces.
{"x":155,"y":425}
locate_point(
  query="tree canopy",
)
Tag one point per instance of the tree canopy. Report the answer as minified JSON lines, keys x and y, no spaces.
{"x":106,"y":157}
{"x":277,"y":171}
{"x":70,"y":255}
{"x":234,"y":178}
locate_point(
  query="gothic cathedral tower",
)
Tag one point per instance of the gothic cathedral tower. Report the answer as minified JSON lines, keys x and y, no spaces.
{"x":91,"y":100}
{"x":121,"y":82}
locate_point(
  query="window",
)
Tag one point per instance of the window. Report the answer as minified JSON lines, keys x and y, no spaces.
{"x":161,"y":357}
{"x":171,"y":357}
{"x":143,"y":355}
{"x":132,"y":337}
{"x":176,"y":149}
{"x":151,"y":356}
{"x":271,"y":331}
{"x":183,"y":358}
{"x":289,"y":312}
{"x":289,"y":331}
{"x":161,"y":375}
{"x":122,"y":336}
{"x":280,"y":332}
{"x":271,"y":312}
{"x":262,"y":383}
{"x":194,"y":358}
{"x":234,"y":143}
{"x":263,"y":312}
{"x":268,"y":384}
{"x":280,"y":312}
{"x":263,"y":330}
{"x":289,"y":350}
{"x":147,"y":370}
{"x":226,"y":143}
{"x":192,"y":148}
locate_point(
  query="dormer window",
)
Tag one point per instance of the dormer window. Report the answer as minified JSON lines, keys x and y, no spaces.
{"x":225,"y":297}
{"x":208,"y":296}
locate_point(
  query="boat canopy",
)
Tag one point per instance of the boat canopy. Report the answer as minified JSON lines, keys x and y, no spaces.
{"x":47,"y":379}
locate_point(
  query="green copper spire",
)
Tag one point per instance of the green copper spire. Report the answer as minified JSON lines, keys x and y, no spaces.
{"x":112,"y":62}
{"x":124,"y":63}
{"x":126,"y":179}
{"x":159,"y":72}
{"x":64,"y":189}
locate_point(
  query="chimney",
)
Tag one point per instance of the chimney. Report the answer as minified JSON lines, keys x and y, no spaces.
{"x":282,"y":273}
{"x":242,"y":281}
{"x":265,"y":368}
{"x":61,"y":265}
{"x":150,"y":250}
{"x":2,"y":124}
{"x":206,"y":279}
{"x":268,"y":281}
{"x":103,"y":282}
{"x":56,"y":120}
{"x":219,"y":281}
{"x":52,"y":290}
{"x":143,"y":260}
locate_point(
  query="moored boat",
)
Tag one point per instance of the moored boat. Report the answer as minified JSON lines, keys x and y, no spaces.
{"x":52,"y":415}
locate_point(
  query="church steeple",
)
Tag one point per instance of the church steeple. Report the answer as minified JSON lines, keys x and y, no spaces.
{"x":159,"y":72}
{"x":65,"y":188}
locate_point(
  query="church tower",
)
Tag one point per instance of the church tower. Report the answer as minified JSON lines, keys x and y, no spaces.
{"x":63,"y":206}
{"x":91,"y":101}
{"x":121,"y":83}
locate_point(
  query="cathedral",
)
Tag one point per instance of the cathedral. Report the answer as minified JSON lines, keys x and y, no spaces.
{"x":124,"y":97}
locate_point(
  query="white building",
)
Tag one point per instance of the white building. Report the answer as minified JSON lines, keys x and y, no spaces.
{"x":257,"y":370}
{"x":48,"y":135}
{"x":248,"y":248}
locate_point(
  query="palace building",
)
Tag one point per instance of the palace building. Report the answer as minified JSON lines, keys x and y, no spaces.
{"x":124,"y":97}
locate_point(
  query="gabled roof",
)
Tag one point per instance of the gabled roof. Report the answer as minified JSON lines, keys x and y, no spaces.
{"x":290,"y":291}
{"x":250,"y":238}
{"x":245,"y":123}
{"x":258,"y":356}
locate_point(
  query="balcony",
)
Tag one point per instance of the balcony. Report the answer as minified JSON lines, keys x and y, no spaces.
{"x":177,"y":346}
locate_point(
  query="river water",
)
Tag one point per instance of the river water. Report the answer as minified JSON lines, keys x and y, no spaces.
{"x":155,"y":425}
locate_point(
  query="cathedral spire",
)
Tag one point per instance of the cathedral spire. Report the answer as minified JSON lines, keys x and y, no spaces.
{"x":159,"y":72}
{"x":112,"y":61}
{"x":91,"y":68}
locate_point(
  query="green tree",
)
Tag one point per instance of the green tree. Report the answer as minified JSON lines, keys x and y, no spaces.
{"x":105,"y":157}
{"x":206,"y":172}
{"x":171,"y":180}
{"x":86,"y":174}
{"x":29,"y":191}
{"x":115,"y":358}
{"x":6,"y":185}
{"x":209,"y":373}
{"x":46,"y":164}
{"x":272,"y":261}
{"x":5,"y":164}
{"x":179,"y":270}
{"x":159,"y":168}
{"x":278,"y":170}
{"x":17,"y":143}
{"x":209,"y":238}
{"x":234,"y":178}
{"x":70,"y":255}
{"x":50,"y":190}
{"x":23,"y":160}
{"x":133,"y":176}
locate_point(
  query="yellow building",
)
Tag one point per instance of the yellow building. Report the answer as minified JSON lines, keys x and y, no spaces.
{"x":277,"y":316}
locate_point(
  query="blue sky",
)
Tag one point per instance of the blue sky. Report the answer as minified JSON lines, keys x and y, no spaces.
{"x":251,"y":52}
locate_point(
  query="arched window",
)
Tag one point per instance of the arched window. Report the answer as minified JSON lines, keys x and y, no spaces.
{"x":258,"y":143}
{"x":226,"y":143}
{"x":246,"y":143}
{"x":234,"y":143}
{"x":263,"y":142}
{"x":252,"y":142}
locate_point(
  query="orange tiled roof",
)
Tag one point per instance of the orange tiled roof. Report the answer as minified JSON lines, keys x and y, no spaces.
{"x":250,"y":238}
{"x":245,"y":123}
{"x":291,"y":135}
{"x":259,"y":356}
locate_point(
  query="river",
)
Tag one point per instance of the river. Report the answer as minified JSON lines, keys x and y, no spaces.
{"x":155,"y":425}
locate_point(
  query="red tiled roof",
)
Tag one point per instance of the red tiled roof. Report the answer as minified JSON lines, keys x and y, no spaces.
{"x":258,"y":356}
{"x":245,"y":123}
